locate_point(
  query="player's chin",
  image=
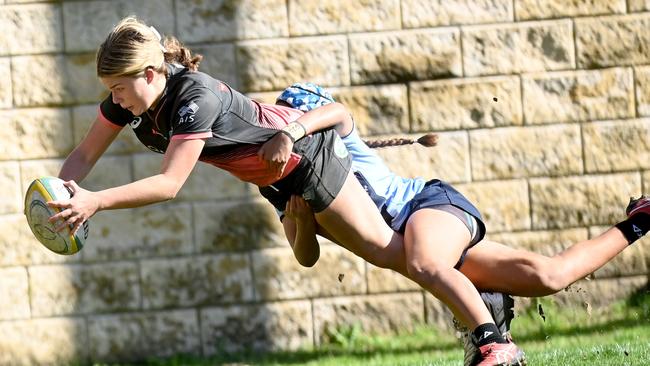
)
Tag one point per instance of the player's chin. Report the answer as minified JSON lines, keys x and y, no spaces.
{"x":137,"y":110}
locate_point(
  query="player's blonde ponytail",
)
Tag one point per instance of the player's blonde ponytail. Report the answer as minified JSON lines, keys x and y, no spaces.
{"x":132,"y":46}
{"x":175,"y":52}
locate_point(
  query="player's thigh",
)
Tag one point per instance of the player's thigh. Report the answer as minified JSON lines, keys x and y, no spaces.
{"x":435,"y":237}
{"x":491,"y":265}
{"x":353,"y":220}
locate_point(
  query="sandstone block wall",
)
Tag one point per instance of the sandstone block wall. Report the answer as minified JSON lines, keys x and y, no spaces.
{"x":543,"y":112}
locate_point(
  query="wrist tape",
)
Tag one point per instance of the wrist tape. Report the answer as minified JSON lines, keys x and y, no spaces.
{"x":295,"y":130}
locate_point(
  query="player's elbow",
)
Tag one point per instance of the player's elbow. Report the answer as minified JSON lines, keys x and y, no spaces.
{"x":170,"y":195}
{"x":308,"y":261}
{"x":170,"y":192}
{"x":170,"y":187}
{"x":344,"y":118}
{"x":307,"y":258}
{"x":341,"y":112}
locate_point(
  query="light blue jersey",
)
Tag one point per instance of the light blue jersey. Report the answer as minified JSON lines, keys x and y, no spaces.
{"x":397,"y":198}
{"x":389,"y":191}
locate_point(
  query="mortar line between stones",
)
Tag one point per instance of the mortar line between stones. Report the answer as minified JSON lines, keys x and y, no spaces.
{"x":62,"y":19}
{"x":313,"y":322}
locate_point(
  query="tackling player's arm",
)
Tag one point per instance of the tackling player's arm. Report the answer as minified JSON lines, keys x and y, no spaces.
{"x":331,"y":115}
{"x":300,"y":227}
{"x":278,"y":149}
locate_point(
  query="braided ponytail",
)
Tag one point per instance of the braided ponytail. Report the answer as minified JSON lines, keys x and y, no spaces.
{"x":308,"y":96}
{"x":428,"y":140}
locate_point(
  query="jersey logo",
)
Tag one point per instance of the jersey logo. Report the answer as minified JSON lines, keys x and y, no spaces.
{"x":155,"y":149}
{"x":339,"y":147}
{"x":136,"y":122}
{"x":187,"y":112}
{"x":156,"y":132}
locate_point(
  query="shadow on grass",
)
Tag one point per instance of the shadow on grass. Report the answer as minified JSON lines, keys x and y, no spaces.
{"x":634,"y":312}
{"x":641,"y":299}
{"x":304,"y":356}
{"x":592,"y":329}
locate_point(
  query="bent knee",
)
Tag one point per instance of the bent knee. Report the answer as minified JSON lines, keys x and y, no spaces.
{"x":423,"y":273}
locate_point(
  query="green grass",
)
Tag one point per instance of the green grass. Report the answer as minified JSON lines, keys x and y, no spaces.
{"x":618,"y":335}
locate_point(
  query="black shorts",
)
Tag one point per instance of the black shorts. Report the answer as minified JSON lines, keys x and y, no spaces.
{"x":319,"y":176}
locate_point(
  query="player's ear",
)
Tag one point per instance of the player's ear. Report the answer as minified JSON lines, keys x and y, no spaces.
{"x":149,"y":74}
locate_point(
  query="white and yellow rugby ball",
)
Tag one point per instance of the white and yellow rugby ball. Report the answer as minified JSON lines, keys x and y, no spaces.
{"x":41,"y":191}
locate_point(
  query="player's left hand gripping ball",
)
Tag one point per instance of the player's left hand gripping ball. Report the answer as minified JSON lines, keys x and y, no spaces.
{"x":41,"y":191}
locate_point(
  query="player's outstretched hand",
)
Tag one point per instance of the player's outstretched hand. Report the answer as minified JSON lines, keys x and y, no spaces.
{"x":74,"y":211}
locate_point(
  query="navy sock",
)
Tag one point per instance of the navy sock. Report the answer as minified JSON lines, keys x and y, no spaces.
{"x":635,"y":227}
{"x":487,"y":333}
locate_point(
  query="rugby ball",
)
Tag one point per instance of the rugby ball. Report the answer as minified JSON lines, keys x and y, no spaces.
{"x":41,"y":191}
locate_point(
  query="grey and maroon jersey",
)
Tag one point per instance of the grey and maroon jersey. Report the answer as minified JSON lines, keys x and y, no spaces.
{"x":196,"y":106}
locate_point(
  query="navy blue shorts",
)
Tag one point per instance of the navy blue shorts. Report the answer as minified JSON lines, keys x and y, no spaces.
{"x":440,"y":195}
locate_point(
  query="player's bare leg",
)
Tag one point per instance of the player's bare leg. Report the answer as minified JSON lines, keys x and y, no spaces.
{"x":495,"y":267}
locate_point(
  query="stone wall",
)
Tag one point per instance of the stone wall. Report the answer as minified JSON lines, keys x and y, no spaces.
{"x":542,"y":108}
